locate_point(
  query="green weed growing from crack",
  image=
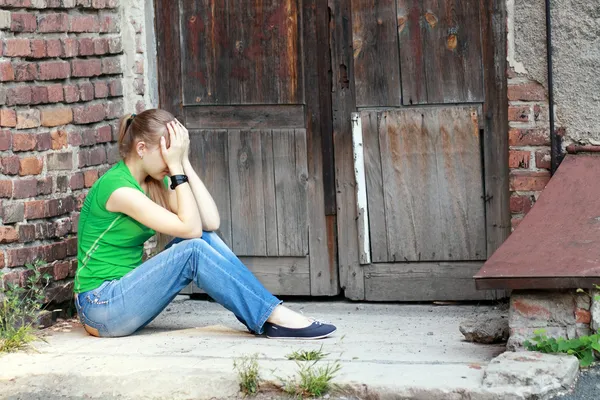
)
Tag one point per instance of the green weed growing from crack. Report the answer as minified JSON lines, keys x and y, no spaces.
{"x":307,"y":355}
{"x":312,"y":380}
{"x":248,"y":373}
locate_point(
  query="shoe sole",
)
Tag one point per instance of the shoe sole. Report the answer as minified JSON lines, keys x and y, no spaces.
{"x":302,"y":338}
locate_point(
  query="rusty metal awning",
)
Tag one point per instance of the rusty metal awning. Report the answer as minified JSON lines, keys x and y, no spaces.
{"x":557,"y":245}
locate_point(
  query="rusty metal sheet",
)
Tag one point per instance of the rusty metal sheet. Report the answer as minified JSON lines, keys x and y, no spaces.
{"x":557,"y":245}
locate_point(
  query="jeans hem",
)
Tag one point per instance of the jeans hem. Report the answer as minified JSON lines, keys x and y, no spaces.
{"x":261,"y":322}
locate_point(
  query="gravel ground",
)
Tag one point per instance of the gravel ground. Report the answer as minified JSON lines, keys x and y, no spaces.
{"x":588,"y":386}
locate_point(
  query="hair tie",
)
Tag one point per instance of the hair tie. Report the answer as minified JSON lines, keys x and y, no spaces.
{"x":132,"y":116}
{"x":129,"y":121}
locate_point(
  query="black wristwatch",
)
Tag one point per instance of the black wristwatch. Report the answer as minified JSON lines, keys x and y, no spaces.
{"x":177,"y":180}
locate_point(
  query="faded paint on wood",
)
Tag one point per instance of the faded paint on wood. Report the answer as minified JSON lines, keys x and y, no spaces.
{"x":425,"y":282}
{"x":375,"y":44}
{"x":247,"y":197}
{"x":268,"y":181}
{"x":289,"y":152}
{"x":209,"y":156}
{"x":440,"y":51}
{"x":245,"y":117}
{"x":241,"y":52}
{"x":432,"y":184}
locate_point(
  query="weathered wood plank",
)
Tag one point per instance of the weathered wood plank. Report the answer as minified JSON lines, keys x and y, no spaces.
{"x":242,"y":52}
{"x":343,"y":103}
{"x":433,"y":195}
{"x":246,"y":117}
{"x":289,"y":151}
{"x":209,"y":157}
{"x":440,"y":47}
{"x":168,"y":57}
{"x":268,"y":180}
{"x":246,"y":186}
{"x":424,"y":282}
{"x":495,"y":139}
{"x":376,"y":62}
{"x":460,"y":184}
{"x":373,"y":172}
{"x":289,"y":276}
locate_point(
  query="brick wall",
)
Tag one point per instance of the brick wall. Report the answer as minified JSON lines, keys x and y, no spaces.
{"x":529,"y":141}
{"x":62,"y":88}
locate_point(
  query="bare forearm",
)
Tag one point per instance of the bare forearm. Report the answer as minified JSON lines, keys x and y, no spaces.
{"x":204,"y":201}
{"x":187,"y":213}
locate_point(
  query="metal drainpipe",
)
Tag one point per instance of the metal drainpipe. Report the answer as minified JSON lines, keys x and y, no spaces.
{"x":555,"y":139}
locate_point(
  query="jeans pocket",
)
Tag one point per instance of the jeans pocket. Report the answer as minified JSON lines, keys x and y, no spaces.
{"x":97,"y":296}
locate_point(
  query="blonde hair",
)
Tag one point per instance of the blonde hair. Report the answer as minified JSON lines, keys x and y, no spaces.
{"x":148,"y":126}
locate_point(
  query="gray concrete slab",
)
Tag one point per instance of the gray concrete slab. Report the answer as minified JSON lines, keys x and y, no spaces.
{"x":390,"y":350}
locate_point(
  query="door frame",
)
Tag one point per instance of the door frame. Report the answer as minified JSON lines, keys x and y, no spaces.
{"x":324,"y":280}
{"x":494,"y":138}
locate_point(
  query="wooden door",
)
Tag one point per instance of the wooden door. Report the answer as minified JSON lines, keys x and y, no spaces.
{"x":245,"y":79}
{"x":423,"y":83}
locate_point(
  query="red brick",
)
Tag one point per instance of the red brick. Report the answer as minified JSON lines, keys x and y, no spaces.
{"x":26,"y":72}
{"x":100,"y":46}
{"x":59,"y":139}
{"x":62,"y":184}
{"x":112,"y":3}
{"x":88,"y":114}
{"x":22,"y":22}
{"x":61,"y":270}
{"x":22,"y":256}
{"x":54,"y":70}
{"x":71,"y":246}
{"x":86,"y":68}
{"x":111,"y":65}
{"x":109,"y":24}
{"x":63,"y":226}
{"x":528,"y":180}
{"x":84,"y":23}
{"x":77,"y":181}
{"x":526,"y":92}
{"x":8,"y":117}
{"x":89,"y":177}
{"x":44,"y":141}
{"x":44,"y":185}
{"x":71,"y":93}
{"x":114,"y":109}
{"x":100,"y":90}
{"x":34,"y":209}
{"x":86,"y":47}
{"x":75,"y":139}
{"x":140,"y":106}
{"x":53,"y":23}
{"x":519,"y":113}
{"x":583,"y":316}
{"x":528,"y":137}
{"x":17,"y":48}
{"x":75,"y":221}
{"x":55,"y":93}
{"x":99,"y":3}
{"x":31,"y":166}
{"x":6,"y":140}
{"x":18,"y":95}
{"x":86,"y":91}
{"x":528,"y":309}
{"x":104,"y":134}
{"x":7,"y":72}
{"x":115,"y":45}
{"x":139,"y":46}
{"x":23,"y":141}
{"x":542,"y":159}
{"x":54,"y":47}
{"x":44,"y":230}
{"x":8,"y":234}
{"x":38,"y":48}
{"x":39,"y":94}
{"x":28,"y":119}
{"x":97,"y":156}
{"x":24,"y":188}
{"x":521,"y":204}
{"x":88,"y":137}
{"x":26,"y":233}
{"x":56,"y":116}
{"x":70,"y":47}
{"x":515,"y":221}
{"x":56,"y":207}
{"x":60,"y":161}
{"x":6,"y":188}
{"x":115,"y":87}
{"x":138,"y":86}
{"x":10,"y":165}
{"x":518,"y":159}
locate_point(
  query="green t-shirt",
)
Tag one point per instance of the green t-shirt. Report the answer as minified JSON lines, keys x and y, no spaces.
{"x":109,"y":244}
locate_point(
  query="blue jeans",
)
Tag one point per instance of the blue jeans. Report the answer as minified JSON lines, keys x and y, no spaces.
{"x":121,"y":307}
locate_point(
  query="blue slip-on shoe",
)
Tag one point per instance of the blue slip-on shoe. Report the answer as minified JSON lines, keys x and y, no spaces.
{"x":316,"y":330}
